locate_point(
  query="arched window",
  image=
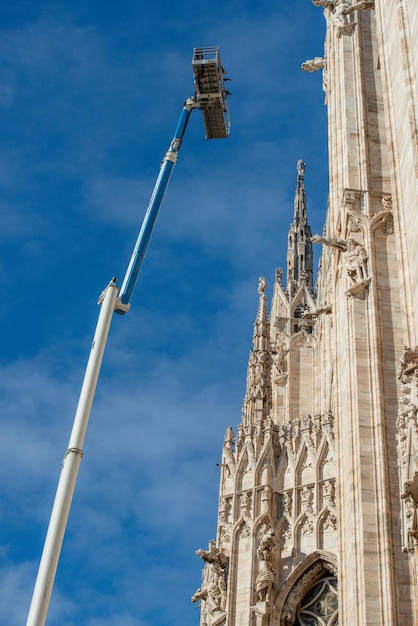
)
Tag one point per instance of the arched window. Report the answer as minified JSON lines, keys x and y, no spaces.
{"x":319,"y":605}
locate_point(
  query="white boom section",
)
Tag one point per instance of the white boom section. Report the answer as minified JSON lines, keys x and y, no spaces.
{"x":70,"y":465}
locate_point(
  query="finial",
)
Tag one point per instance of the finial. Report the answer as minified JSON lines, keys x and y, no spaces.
{"x":261,"y":285}
{"x":301,"y":167}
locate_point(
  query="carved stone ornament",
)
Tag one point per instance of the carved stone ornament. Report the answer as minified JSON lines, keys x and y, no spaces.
{"x":295,"y":596}
{"x":212,"y":593}
{"x":245,"y":531}
{"x":306,"y":501}
{"x":265,"y":499}
{"x":330,"y":522}
{"x":286,"y":531}
{"x":323,"y":426}
{"x":349,"y":197}
{"x":341,"y":9}
{"x":332,"y":242}
{"x":356,"y":6}
{"x":407,"y":445}
{"x":383,"y":219}
{"x":328,"y":494}
{"x":387,"y":202}
{"x":225,"y":534}
{"x":312,"y":65}
{"x":408,"y":362}
{"x":286,"y":504}
{"x":319,"y":571}
{"x":354,"y":224}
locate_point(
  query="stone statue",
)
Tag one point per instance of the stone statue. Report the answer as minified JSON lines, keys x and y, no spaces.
{"x":301,"y":167}
{"x":355,"y":260}
{"x":387,"y":202}
{"x":355,"y":256}
{"x":306,"y":499}
{"x":328,"y":493}
{"x":408,"y":361}
{"x":279,"y":356}
{"x":261,"y":285}
{"x":340,"y":14}
{"x":212,"y":593}
{"x":265,"y":578}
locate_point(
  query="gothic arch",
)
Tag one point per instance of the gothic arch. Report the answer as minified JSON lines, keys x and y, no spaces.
{"x":263,"y":465}
{"x":315,"y":567}
{"x":326,"y":464}
{"x":285,"y":469}
{"x":244,"y":477}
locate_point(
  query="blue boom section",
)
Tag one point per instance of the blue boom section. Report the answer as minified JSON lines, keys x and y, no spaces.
{"x":210,"y":98}
{"x":151,"y":215}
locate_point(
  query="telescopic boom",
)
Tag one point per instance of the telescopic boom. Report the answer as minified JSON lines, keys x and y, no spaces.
{"x":210,"y":98}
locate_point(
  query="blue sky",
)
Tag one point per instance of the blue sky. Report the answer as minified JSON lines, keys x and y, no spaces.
{"x":90,"y":94}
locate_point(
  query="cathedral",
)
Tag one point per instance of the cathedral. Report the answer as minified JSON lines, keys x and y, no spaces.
{"x":317,"y":519}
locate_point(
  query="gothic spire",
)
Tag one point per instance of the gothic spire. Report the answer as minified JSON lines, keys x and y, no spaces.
{"x":257,"y":397}
{"x":299,"y":252}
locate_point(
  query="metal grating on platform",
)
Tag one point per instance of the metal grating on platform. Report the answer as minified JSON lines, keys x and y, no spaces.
{"x":211,"y":94}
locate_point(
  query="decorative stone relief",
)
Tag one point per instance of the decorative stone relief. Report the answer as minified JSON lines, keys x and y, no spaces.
{"x":265,"y":499}
{"x":306,"y":500}
{"x":245,"y":531}
{"x":225,"y":534}
{"x":354,"y":224}
{"x":225,"y":510}
{"x":328,"y":495}
{"x":245,"y":506}
{"x":408,"y":362}
{"x":349,"y":198}
{"x":384,"y":218}
{"x":328,"y":492}
{"x":407,"y":444}
{"x":323,"y":425}
{"x":303,"y":340}
{"x":330,"y":522}
{"x":307,"y":430}
{"x":212,"y":593}
{"x":306,"y":505}
{"x":286,"y":531}
{"x":387,"y":202}
{"x":340,"y":10}
{"x":286,"y":504}
{"x":257,"y":382}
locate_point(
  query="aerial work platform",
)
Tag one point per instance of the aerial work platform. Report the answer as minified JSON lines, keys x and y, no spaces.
{"x":211,"y":95}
